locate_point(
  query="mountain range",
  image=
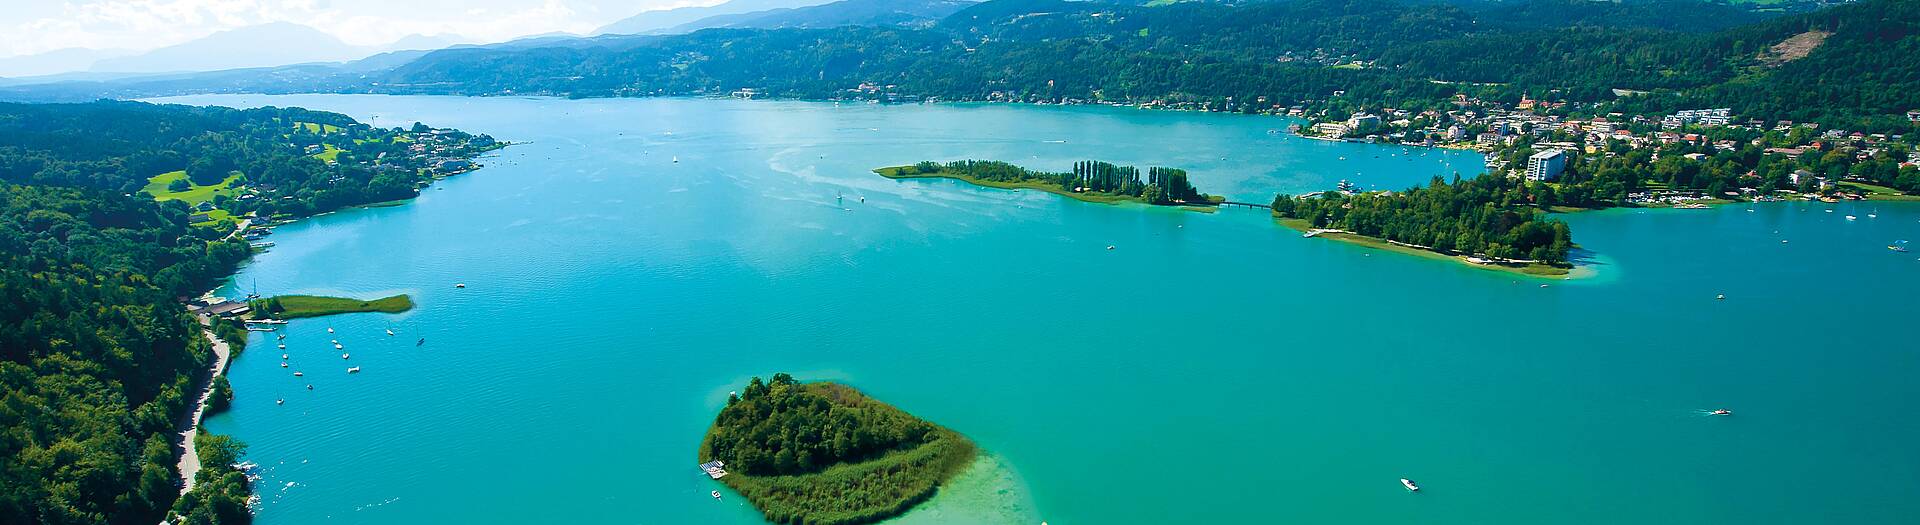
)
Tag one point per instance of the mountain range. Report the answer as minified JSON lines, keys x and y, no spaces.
{"x":265,"y":45}
{"x":657,"y":21}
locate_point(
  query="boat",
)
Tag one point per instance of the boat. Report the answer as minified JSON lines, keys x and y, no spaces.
{"x":353,"y":370}
{"x":716,"y":494}
{"x":329,"y":329}
{"x":336,"y":346}
{"x":283,"y":346}
{"x":344,"y":356}
{"x":1410,"y":486}
{"x":459,"y":285}
{"x":1722,"y":412}
{"x":1721,"y":297}
{"x":298,"y":374}
{"x":283,"y":337}
{"x":423,"y":341}
{"x":1850,"y":217}
{"x":283,"y":364}
{"x":283,"y":356}
{"x":1898,"y":246}
{"x":676,"y":159}
{"x":251,"y":328}
{"x":280,"y":401}
{"x":1109,"y":247}
{"x":389,"y":331}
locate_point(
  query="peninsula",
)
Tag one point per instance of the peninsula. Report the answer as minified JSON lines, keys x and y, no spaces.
{"x":1091,"y":181}
{"x":824,"y":454}
{"x":1485,"y":221}
{"x":298,"y":306}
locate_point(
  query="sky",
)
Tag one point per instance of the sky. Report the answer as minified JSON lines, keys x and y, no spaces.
{"x":37,"y":26}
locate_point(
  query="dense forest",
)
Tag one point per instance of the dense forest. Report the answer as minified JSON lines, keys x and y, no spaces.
{"x":1163,"y":186}
{"x":1251,"y":56}
{"x":96,"y":356}
{"x":1491,"y":215}
{"x":98,"y":359}
{"x":823,"y":453}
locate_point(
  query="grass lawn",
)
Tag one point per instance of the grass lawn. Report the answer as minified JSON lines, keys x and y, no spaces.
{"x":312,"y":127}
{"x":1536,"y":270}
{"x":214,"y":217}
{"x":297,"y":306}
{"x":193,"y":195}
{"x":328,"y":153}
{"x":1879,"y":193}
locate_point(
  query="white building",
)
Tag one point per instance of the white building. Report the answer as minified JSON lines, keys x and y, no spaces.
{"x":1363,"y":122}
{"x":1546,"y":165}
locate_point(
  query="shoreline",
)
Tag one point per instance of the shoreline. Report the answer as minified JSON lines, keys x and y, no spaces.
{"x":188,"y":464}
{"x":1532,"y":270}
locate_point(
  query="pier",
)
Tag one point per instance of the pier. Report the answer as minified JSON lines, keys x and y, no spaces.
{"x":1224,"y":204}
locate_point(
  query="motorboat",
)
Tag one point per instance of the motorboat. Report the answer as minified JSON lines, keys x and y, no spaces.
{"x":1410,"y":486}
{"x":353,"y":370}
{"x":1721,"y":412}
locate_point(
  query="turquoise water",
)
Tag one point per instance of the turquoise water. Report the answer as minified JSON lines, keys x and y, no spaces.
{"x":1210,"y":368}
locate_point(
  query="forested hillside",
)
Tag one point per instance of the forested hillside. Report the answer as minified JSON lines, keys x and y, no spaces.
{"x":96,"y":356}
{"x":1253,"y":55}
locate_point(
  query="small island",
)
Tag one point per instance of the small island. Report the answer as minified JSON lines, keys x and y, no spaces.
{"x":298,"y":306}
{"x":1487,"y":221}
{"x":1091,"y":181}
{"x":824,"y":454}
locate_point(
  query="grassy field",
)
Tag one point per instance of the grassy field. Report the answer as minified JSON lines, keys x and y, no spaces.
{"x":298,"y":306}
{"x":312,"y":127}
{"x":328,"y":153}
{"x":1533,"y":270}
{"x":1879,"y":193}
{"x":856,"y":493}
{"x":157,"y":186}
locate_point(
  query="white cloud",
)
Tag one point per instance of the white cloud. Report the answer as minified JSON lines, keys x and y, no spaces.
{"x":45,"y":25}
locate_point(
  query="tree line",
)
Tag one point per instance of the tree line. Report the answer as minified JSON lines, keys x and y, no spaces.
{"x":1163,"y":186}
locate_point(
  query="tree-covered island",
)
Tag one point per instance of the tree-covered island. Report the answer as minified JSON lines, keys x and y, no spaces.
{"x":824,"y":454}
{"x":1489,"y":221}
{"x":1091,"y":181}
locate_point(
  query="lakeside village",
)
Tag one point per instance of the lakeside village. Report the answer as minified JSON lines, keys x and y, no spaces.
{"x":362,"y":166}
{"x":358,"y":165}
{"x":1687,"y":159}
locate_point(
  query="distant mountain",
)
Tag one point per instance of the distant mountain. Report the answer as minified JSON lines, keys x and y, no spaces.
{"x":842,"y":13}
{"x":56,"y":61}
{"x":273,"y":44}
{"x":424,"y":43}
{"x":660,"y":20}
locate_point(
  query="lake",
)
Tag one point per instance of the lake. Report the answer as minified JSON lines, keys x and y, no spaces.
{"x":635,"y":260}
